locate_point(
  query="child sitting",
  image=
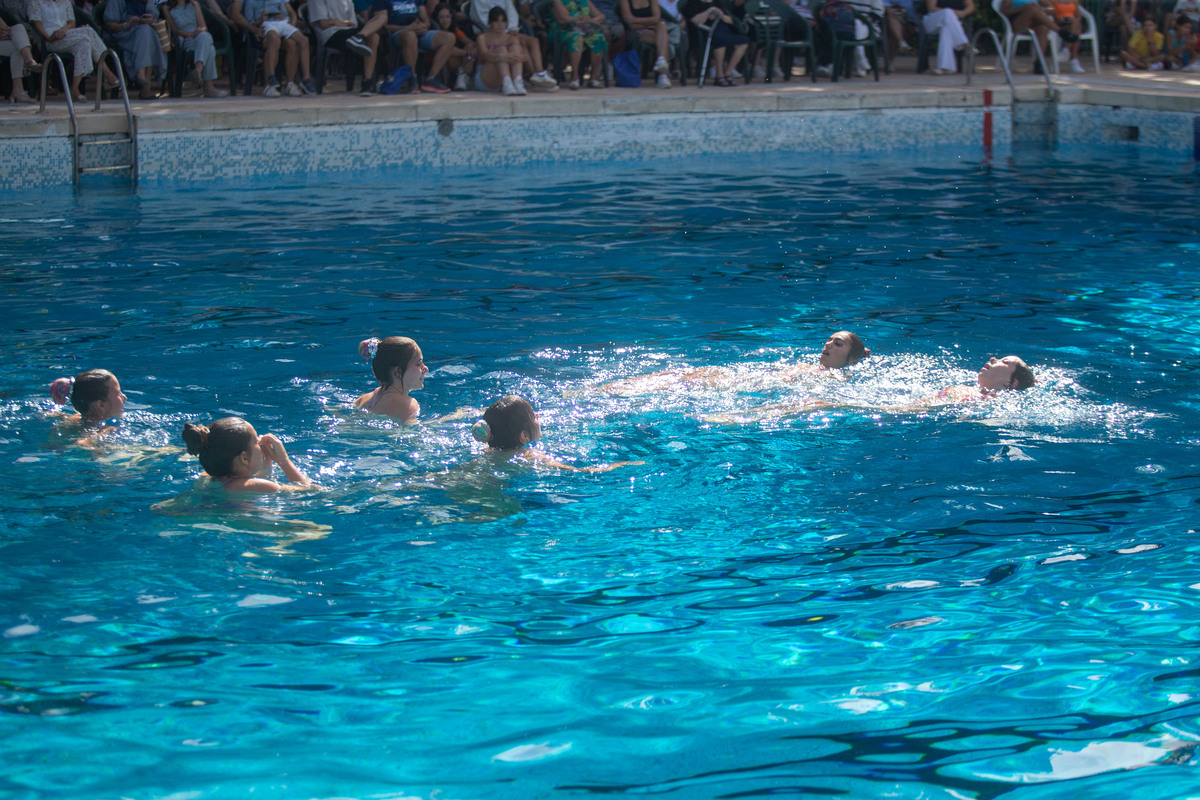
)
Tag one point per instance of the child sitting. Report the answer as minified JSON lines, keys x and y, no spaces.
{"x":95,"y":394}
{"x":1070,"y":25}
{"x":511,"y":425}
{"x":232,"y":452}
{"x":1145,"y":48}
{"x":1181,"y":46}
{"x":400,"y":368}
{"x":501,"y":57}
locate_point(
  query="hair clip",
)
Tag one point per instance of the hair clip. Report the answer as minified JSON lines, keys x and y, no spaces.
{"x":368,"y":347}
{"x":481,"y":431}
{"x":60,"y":390}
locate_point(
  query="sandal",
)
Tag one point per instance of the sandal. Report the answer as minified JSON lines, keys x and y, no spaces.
{"x":21,"y":97}
{"x":32,"y":67}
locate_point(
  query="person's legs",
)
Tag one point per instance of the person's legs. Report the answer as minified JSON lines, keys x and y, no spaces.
{"x":301,"y":42}
{"x":270,"y":45}
{"x":443,"y":47}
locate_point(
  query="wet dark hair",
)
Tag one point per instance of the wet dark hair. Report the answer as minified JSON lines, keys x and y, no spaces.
{"x":496,"y":13}
{"x":219,"y":444}
{"x":1022,"y":377}
{"x":507,"y":419}
{"x":90,"y":386}
{"x":394,"y":351}
{"x":858,"y":350}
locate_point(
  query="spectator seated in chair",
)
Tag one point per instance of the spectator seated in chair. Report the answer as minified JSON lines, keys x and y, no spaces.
{"x":187,"y":21}
{"x":407,"y":24}
{"x":131,"y":23}
{"x":943,"y":18}
{"x":14,"y":43}
{"x":644,"y":19}
{"x":272,"y":23}
{"x":577,"y":25}
{"x":539,"y":79}
{"x":54,"y":20}
{"x":463,"y":59}
{"x":335,"y":24}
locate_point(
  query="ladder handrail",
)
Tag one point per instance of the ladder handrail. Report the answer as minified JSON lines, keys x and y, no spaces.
{"x":53,"y":58}
{"x":999,"y":52}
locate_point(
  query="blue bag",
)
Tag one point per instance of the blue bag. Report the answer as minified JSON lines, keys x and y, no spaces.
{"x":628,"y":69}
{"x":397,"y":82}
{"x":838,"y":16}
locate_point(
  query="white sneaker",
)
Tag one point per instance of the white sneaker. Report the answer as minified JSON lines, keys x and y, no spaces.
{"x":734,"y":74}
{"x":507,"y":86}
{"x":663,"y":81}
{"x":1075,"y":66}
{"x":519,"y":85}
{"x":824,"y":70}
{"x":758,"y":72}
{"x":1128,"y":65}
{"x":541,"y":81}
{"x":460,"y":82}
{"x":595,"y":83}
{"x":1156,"y":67}
{"x":661,"y":66}
{"x":272,"y":87}
{"x":1192,"y":67}
{"x":293,"y":90}
{"x":1064,"y":54}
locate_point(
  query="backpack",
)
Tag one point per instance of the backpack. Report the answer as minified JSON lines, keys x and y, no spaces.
{"x":627,"y":68}
{"x":397,"y":82}
{"x":837,"y":16}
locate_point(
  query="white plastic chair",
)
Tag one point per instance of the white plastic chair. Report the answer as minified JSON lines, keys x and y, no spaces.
{"x":1090,"y":33}
{"x":1011,"y":40}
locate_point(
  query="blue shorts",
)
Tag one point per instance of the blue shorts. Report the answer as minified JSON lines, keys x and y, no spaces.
{"x":425,"y":43}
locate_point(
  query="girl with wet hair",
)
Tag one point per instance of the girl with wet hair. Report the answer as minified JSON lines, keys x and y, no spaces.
{"x":232,"y":452}
{"x":510,"y":425}
{"x":400,"y":368}
{"x":842,"y":349}
{"x":95,"y":394}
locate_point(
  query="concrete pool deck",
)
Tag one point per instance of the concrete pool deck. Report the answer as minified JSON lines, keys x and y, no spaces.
{"x":557,"y":126}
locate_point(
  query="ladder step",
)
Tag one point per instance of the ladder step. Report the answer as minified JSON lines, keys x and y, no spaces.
{"x":112,"y":168}
{"x":91,"y":142}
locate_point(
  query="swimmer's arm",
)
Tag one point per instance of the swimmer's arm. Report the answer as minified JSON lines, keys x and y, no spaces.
{"x":759,"y":413}
{"x":550,"y":461}
{"x":274,"y":451}
{"x":458,"y":413}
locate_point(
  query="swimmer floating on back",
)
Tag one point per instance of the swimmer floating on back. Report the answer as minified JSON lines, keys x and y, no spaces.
{"x":842,"y":349}
{"x":232,"y":452}
{"x":400,"y":368}
{"x":95,"y":394}
{"x":997,"y":375}
{"x":511,"y":425}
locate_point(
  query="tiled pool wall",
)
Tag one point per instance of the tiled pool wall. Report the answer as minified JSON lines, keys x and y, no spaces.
{"x":220,"y":147}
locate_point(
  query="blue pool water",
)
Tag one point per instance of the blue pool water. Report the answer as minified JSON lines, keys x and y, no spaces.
{"x":996,"y":600}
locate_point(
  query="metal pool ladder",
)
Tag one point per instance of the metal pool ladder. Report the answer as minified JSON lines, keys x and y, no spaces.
{"x":128,"y":137}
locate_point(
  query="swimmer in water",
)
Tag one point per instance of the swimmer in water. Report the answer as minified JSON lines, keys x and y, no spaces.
{"x":841,"y":350}
{"x":95,"y":394}
{"x":232,"y":452}
{"x":400,"y":368}
{"x":997,"y":375}
{"x":511,"y":426}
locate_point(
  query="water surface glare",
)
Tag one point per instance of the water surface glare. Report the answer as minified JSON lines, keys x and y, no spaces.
{"x":996,"y":599}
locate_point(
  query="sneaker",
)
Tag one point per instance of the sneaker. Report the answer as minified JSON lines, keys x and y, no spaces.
{"x":1128,"y":65}
{"x":272,"y":87}
{"x":460,"y":82}
{"x":1192,"y":67}
{"x":542,"y":81}
{"x":432,"y":84}
{"x":1156,"y":67}
{"x":824,"y":70}
{"x":355,"y":44}
{"x":734,"y":74}
{"x":217,"y":93}
{"x":573,"y":85}
{"x":1075,"y":66}
{"x":519,"y":85}
{"x":663,"y":81}
{"x":293,"y":90}
{"x":1064,"y":54}
{"x":595,"y":83}
{"x":758,"y":72}
{"x":307,"y":86}
{"x":507,"y":87}
{"x":368,"y":89}
{"x":660,"y":66}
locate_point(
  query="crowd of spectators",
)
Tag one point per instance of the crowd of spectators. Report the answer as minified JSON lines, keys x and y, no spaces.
{"x":517,"y":46}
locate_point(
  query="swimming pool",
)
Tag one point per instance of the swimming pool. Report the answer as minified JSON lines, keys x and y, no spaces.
{"x":961,"y":603}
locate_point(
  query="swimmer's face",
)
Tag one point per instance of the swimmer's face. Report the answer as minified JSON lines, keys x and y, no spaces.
{"x":254,"y":453}
{"x":997,"y":373}
{"x":111,"y":406}
{"x":836,"y":351}
{"x":414,"y":375}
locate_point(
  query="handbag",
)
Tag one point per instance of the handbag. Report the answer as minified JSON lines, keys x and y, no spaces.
{"x":164,"y":36}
